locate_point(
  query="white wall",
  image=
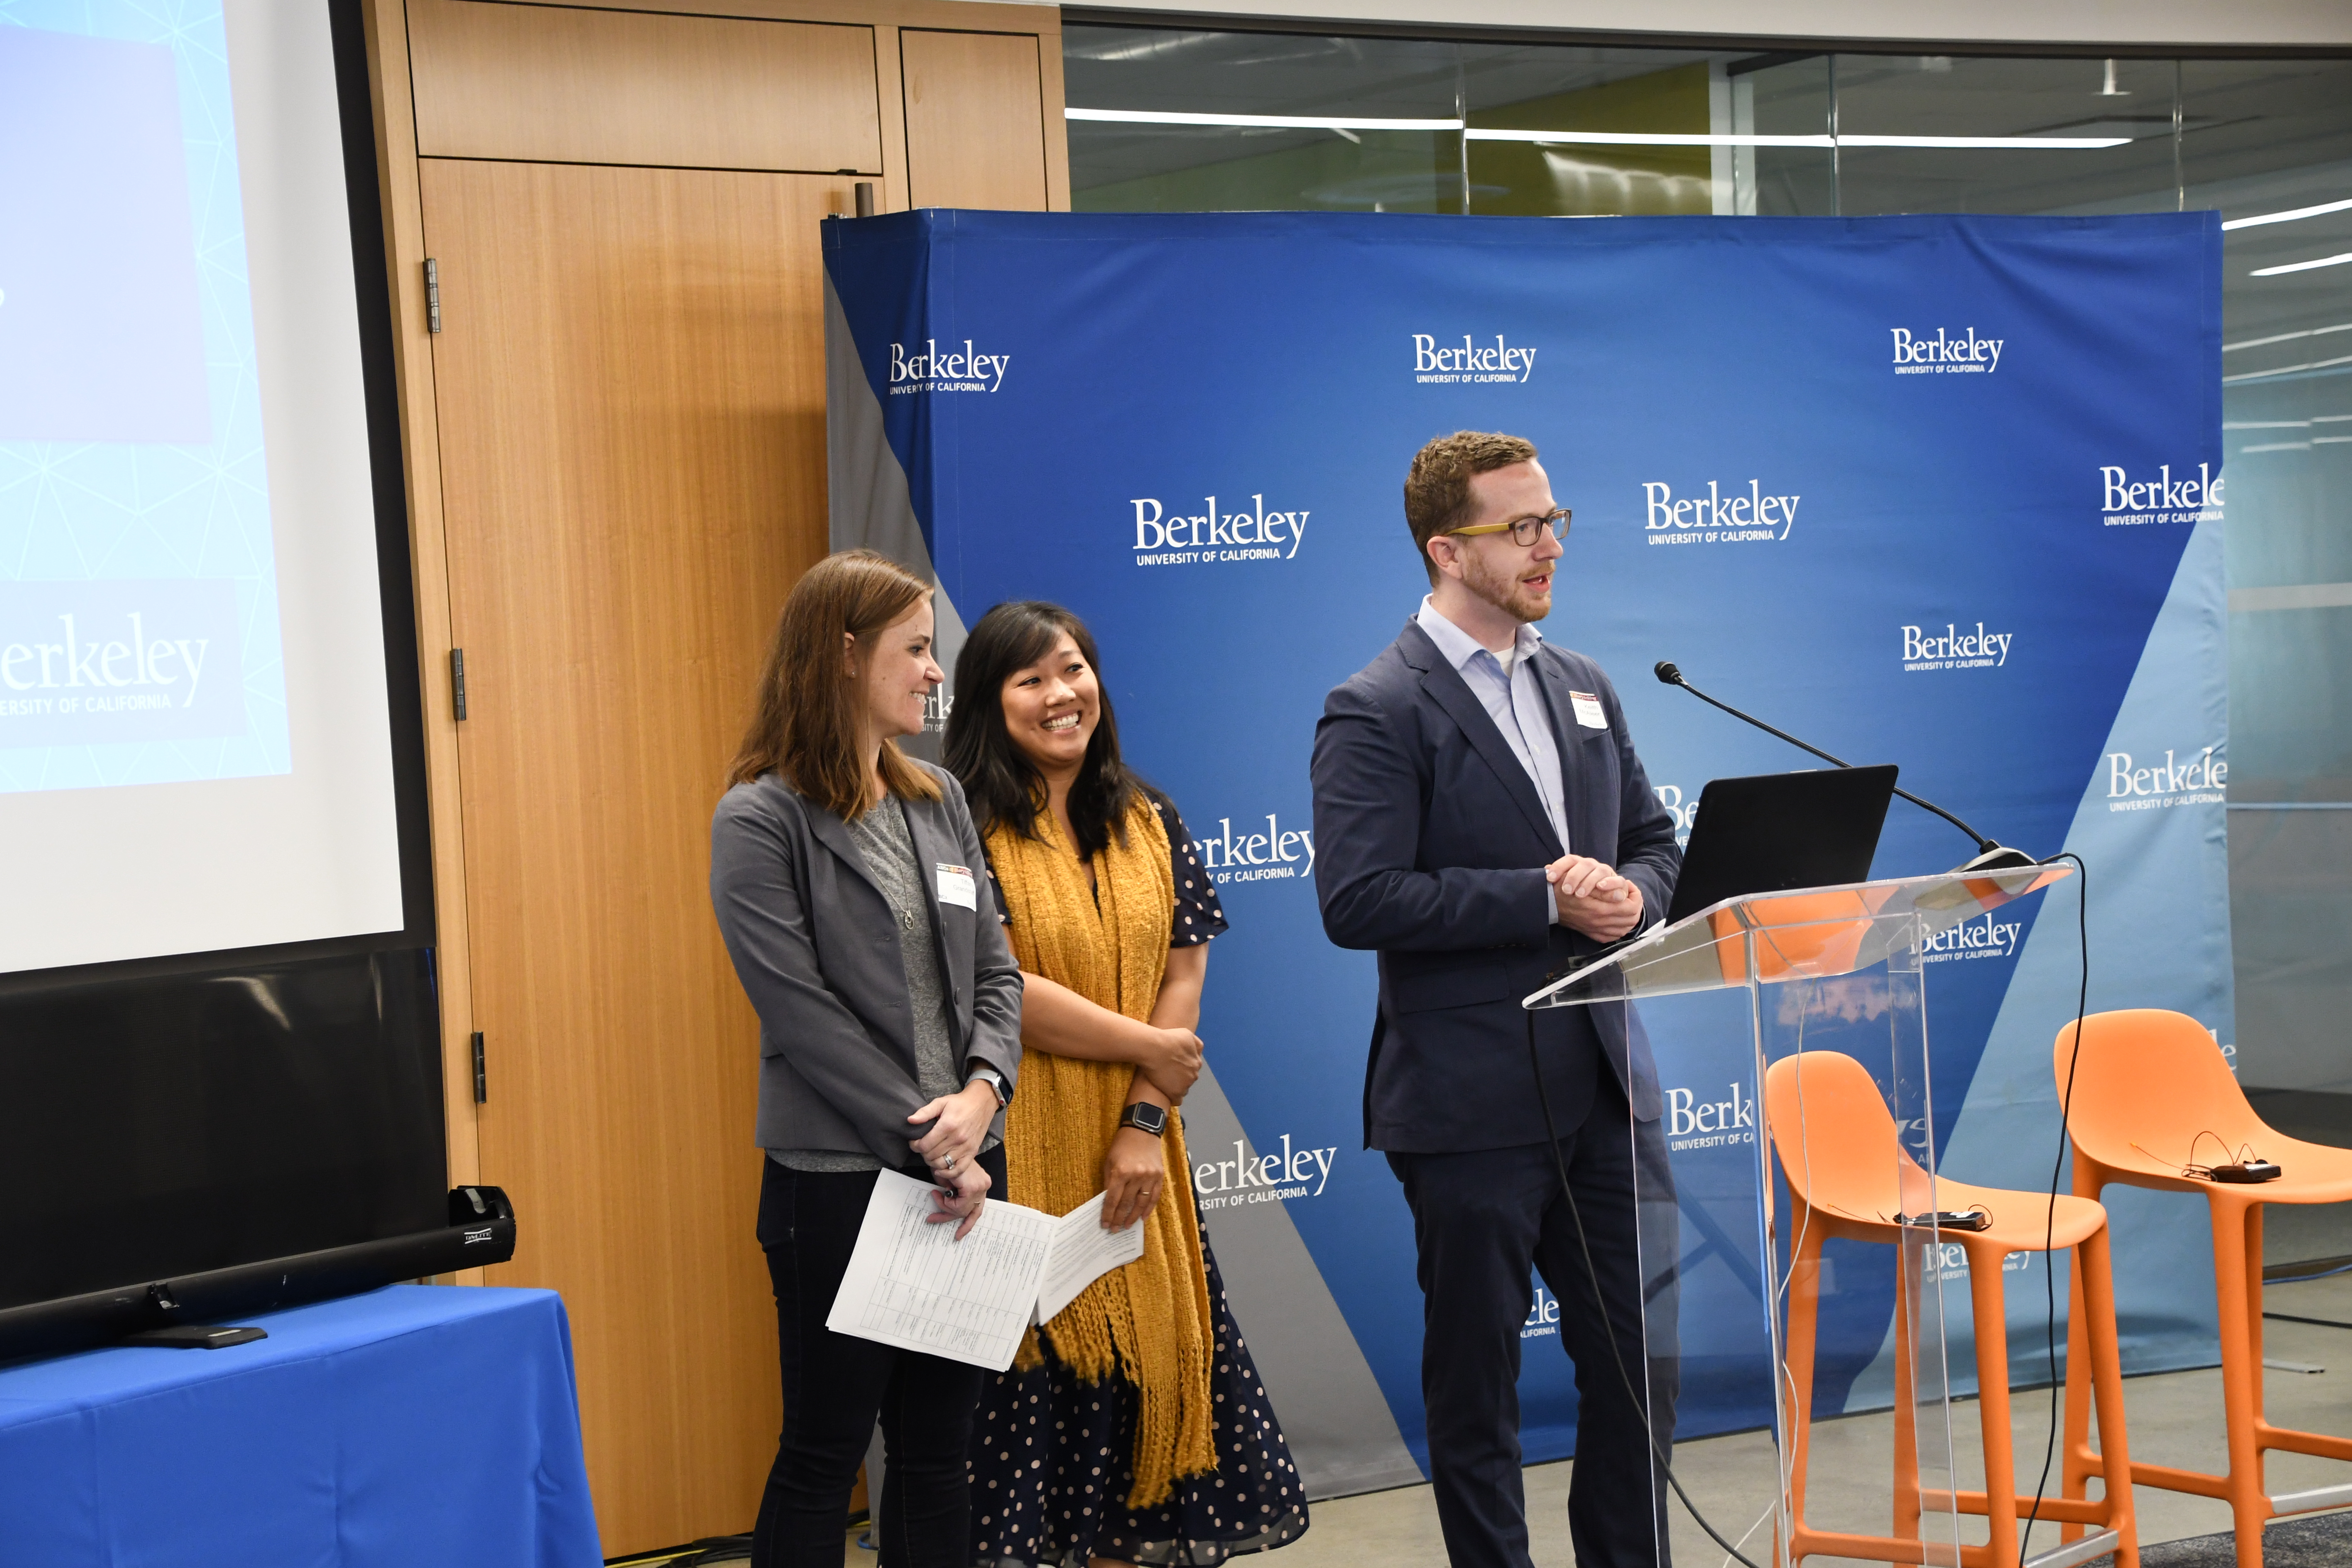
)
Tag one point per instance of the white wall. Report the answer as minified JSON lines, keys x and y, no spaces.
{"x":2126,"y":22}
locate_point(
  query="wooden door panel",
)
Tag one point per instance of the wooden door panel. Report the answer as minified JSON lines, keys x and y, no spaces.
{"x":975,"y":120}
{"x":631,"y":409}
{"x":555,"y":84}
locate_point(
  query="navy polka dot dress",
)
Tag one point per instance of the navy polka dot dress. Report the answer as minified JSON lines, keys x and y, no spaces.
{"x":1052,"y":1458}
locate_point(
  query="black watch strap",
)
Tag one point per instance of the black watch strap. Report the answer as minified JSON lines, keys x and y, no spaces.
{"x":1147,"y":1117}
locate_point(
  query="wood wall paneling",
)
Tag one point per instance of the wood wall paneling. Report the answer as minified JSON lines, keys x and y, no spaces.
{"x":984,"y":15}
{"x":632,"y":450}
{"x":561,"y":85}
{"x":1056,"y":127}
{"x":616,"y":461}
{"x":395,"y":141}
{"x":890,"y":196}
{"x":975,"y":120}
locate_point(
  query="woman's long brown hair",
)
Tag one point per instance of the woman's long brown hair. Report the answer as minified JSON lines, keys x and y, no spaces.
{"x":805,"y":721}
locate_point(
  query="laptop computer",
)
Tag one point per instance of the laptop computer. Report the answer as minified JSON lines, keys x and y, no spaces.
{"x":1775,"y":832}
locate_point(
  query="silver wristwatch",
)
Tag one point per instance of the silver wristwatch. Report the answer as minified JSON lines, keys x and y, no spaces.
{"x":988,"y":1075}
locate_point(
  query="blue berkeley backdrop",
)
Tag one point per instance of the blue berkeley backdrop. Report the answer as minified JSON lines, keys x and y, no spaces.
{"x":1934,"y":490}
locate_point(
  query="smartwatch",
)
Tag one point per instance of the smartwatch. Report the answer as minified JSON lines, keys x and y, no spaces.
{"x":988,"y":1075}
{"x":1146,"y":1116}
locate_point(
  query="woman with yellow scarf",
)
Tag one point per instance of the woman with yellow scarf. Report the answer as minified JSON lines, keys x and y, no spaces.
{"x":1133,"y":1427}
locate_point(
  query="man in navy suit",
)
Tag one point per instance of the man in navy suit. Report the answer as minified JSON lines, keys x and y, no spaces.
{"x":1482,"y":821}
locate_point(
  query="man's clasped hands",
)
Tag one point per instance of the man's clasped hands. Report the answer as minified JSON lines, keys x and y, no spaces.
{"x":1594,"y":898}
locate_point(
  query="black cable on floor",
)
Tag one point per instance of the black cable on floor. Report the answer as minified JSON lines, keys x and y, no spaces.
{"x":1593,"y":1277}
{"x":2050,"y":1222}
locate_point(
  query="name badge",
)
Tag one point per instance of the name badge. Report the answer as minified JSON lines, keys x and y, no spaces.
{"x":1588,"y":711}
{"x":957,"y":888}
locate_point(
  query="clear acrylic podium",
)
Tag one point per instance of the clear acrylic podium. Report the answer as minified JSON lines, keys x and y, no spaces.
{"x":1823,"y":969}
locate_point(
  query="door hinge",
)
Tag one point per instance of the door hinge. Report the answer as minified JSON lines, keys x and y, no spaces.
{"x":481,"y":1072}
{"x":431,"y":295}
{"x":458,"y":681}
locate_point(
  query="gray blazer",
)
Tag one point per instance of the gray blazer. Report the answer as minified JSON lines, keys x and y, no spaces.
{"x":816,"y":948}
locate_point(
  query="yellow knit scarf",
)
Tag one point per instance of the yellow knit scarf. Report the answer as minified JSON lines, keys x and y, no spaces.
{"x":1148,"y":1322}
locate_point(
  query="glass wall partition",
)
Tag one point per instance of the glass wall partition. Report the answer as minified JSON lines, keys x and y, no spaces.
{"x":1171,"y":119}
{"x":2277,"y":162}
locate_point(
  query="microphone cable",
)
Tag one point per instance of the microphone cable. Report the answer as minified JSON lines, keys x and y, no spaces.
{"x":2049,"y":1227}
{"x":1989,"y":855}
{"x":1600,"y":1301}
{"x":2057,"y":1166}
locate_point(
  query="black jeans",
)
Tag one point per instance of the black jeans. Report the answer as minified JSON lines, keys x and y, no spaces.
{"x":1479,"y":1220}
{"x":835,"y":1386}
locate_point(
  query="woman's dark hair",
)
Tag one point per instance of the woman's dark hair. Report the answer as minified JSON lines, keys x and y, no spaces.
{"x":1001,"y":782}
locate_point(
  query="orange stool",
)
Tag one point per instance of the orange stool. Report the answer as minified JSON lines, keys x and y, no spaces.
{"x":1844,"y":1182}
{"x":2156,"y":1080}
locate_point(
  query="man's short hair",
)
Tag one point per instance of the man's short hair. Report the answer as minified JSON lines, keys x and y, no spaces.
{"x":1437,"y":487}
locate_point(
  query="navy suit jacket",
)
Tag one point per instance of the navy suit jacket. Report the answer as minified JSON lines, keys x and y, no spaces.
{"x":1430,"y":842}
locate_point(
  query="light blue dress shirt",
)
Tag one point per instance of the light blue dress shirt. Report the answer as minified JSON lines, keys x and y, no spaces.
{"x":1512,"y":701}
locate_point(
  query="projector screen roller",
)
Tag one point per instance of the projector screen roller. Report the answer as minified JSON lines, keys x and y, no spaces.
{"x":195,"y":749}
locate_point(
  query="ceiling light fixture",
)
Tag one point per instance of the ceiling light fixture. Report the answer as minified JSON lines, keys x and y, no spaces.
{"x":1258,"y":122}
{"x":2287,"y":337}
{"x":2077,"y":142}
{"x":2289,"y":369}
{"x":2337,"y":260}
{"x":1573,"y":138}
{"x":2288,"y":216}
{"x":1637,"y":139}
{"x":1664,"y":139}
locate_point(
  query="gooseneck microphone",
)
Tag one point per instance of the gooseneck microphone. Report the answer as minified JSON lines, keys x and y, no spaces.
{"x":1989,"y":855}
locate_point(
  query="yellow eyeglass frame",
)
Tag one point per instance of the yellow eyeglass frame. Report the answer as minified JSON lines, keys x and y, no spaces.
{"x":1558,"y":517}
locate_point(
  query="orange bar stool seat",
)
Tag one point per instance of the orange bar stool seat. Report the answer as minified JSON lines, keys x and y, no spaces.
{"x":1839,"y":1148}
{"x":2152,"y":1095}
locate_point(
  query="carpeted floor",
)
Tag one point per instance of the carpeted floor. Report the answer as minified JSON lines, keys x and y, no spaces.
{"x":2322,"y":1541}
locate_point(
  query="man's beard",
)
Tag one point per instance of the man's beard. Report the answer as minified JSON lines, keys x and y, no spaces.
{"x":1503,"y":589}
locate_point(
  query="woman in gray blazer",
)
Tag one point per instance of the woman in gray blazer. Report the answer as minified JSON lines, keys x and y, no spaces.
{"x":855,"y":902}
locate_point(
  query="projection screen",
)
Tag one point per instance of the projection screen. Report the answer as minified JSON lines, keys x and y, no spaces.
{"x":194,"y":739}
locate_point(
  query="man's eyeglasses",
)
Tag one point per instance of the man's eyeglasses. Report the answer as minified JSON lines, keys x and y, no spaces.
{"x":1523,"y":531}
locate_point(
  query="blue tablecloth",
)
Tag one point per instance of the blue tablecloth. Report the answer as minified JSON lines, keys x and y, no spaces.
{"x":416,"y":1426}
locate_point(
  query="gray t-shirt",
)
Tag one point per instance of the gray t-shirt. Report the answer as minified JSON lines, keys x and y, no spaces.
{"x":888,"y":850}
